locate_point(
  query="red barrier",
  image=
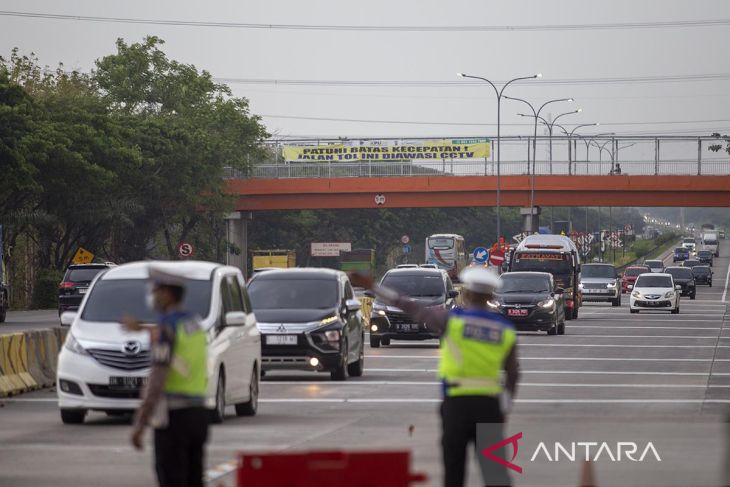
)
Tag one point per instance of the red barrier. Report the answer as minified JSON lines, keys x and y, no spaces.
{"x":327,"y":469}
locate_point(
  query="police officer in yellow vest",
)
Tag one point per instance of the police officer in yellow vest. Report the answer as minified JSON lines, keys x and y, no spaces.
{"x":174,"y":399}
{"x":476,"y":346}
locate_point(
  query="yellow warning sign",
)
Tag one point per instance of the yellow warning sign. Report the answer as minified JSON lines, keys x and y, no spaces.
{"x":82,"y":256}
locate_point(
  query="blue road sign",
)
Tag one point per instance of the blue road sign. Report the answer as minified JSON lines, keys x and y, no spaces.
{"x":481,"y":254}
{"x":407,"y":249}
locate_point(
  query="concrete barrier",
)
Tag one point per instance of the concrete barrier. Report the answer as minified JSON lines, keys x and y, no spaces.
{"x":28,"y":360}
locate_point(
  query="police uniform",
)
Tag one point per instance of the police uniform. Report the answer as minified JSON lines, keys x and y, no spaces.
{"x":476,"y":345}
{"x":174,"y":400}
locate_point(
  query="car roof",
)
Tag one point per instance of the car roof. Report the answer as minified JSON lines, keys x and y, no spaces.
{"x":638,"y":266}
{"x":191,"y":269}
{"x":676,"y":267}
{"x":415,"y":271}
{"x":597,"y":264}
{"x":654,"y":260}
{"x":658,"y":274}
{"x":300,"y":273}
{"x":93,"y":265}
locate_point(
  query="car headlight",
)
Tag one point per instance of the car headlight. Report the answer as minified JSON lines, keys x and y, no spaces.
{"x":611,"y":285}
{"x":332,"y":335}
{"x":580,"y":286}
{"x":546,"y":303}
{"x":74,"y":346}
{"x":492,"y":303}
{"x":329,"y":320}
{"x":636,"y":294}
{"x":669,"y":294}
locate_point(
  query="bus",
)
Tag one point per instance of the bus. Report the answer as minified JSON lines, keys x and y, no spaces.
{"x":557,"y":255}
{"x":448,"y":252}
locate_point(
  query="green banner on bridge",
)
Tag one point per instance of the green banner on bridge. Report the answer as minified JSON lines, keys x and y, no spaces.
{"x":391,"y":151}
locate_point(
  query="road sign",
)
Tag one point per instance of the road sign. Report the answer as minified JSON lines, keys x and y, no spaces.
{"x":330,"y":249}
{"x":481,"y":255}
{"x":185,"y":250}
{"x":407,"y":249}
{"x":496,"y":257}
{"x":405,"y":239}
{"x":379,"y":199}
{"x":82,"y":256}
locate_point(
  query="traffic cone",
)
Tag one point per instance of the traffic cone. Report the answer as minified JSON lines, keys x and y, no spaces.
{"x":586,"y":475}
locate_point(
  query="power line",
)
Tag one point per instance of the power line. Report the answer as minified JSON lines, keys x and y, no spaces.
{"x":421,"y":83}
{"x":422,"y":122}
{"x":381,"y":28}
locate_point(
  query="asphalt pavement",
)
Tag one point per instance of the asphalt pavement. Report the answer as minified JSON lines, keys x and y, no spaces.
{"x":610,"y":365}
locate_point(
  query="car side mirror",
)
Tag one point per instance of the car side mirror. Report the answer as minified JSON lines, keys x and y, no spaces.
{"x":453,"y":293}
{"x":235,"y":318}
{"x":369,"y":293}
{"x":353,"y":305}
{"x":559,"y":290}
{"x":677,"y":287}
{"x":68,"y":317}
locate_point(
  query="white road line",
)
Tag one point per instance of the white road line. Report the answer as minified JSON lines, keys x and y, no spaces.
{"x":603,"y":327}
{"x":609,"y":345}
{"x":664,"y":312}
{"x":570,"y":372}
{"x":598,"y":359}
{"x":644,"y":319}
{"x":727,"y":278}
{"x":521,"y":384}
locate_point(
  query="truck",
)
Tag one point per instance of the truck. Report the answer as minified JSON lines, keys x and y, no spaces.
{"x":273,"y":259}
{"x":361,"y":261}
{"x":710,"y":241}
{"x":558,"y":255}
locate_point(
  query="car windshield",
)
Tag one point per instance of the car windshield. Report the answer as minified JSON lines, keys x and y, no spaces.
{"x":679,"y":273}
{"x":515,"y":283}
{"x":654,"y":281}
{"x":691,"y":263}
{"x":82,"y":274}
{"x":114,"y":299}
{"x":605,"y":271}
{"x":654,"y":264}
{"x":280,"y":293}
{"x":680,"y":250}
{"x":414,"y":285}
{"x":440,"y":243}
{"x":635,"y":271}
{"x":553,"y":263}
{"x":704,"y":253}
{"x":689,"y":240}
{"x":701,"y":270}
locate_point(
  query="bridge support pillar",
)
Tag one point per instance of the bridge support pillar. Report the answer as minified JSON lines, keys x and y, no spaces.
{"x":237,"y":240}
{"x":530,"y":219}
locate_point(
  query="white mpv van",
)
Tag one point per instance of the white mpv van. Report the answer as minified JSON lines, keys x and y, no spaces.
{"x":101,"y":367}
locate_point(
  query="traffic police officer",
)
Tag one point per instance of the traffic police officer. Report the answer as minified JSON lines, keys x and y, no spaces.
{"x":476,"y":345}
{"x":174,"y":398}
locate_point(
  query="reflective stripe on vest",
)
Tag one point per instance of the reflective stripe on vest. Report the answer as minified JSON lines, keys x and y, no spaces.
{"x":473,"y":351}
{"x":188,"y":373}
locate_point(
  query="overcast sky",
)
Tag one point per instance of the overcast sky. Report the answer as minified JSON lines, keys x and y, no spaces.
{"x":425,"y":56}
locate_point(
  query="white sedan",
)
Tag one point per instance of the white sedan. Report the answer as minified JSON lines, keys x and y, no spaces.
{"x":655,"y":291}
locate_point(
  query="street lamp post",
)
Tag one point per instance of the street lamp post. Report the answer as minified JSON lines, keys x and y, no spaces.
{"x":550,"y":126}
{"x":536,"y":115}
{"x":570,"y":142}
{"x":499,"y":93}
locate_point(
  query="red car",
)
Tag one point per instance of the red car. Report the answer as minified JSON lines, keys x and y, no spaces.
{"x":630,"y":276}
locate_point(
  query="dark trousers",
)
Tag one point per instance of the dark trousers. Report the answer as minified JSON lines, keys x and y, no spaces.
{"x":179,"y":448}
{"x":459,"y":418}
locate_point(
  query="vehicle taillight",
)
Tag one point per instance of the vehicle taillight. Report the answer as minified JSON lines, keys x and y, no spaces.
{"x":66,"y":285}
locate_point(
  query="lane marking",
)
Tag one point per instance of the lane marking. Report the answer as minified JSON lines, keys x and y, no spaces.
{"x":576,"y":372}
{"x":610,"y":345}
{"x":602,"y":327}
{"x":727,"y":278}
{"x":599,"y":359}
{"x":521,"y":384}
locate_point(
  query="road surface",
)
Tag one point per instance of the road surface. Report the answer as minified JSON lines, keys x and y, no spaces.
{"x":609,"y":365}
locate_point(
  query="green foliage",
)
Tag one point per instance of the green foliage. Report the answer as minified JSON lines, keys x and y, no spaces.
{"x":45,"y":291}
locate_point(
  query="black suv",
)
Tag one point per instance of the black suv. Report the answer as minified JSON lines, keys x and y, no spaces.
{"x":531,"y":301}
{"x":309,"y":319}
{"x":75,"y":283}
{"x":706,"y":257}
{"x":684,"y":277}
{"x":431,"y":287}
{"x":703,"y":274}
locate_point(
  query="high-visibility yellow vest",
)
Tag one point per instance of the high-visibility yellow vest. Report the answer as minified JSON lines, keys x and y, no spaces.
{"x":474,"y":348}
{"x":188,"y":374}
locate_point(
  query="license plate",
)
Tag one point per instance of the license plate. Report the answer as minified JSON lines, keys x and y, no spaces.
{"x":82,"y":290}
{"x":281,"y":339}
{"x":593,"y":291}
{"x":516,"y":312}
{"x":127,"y":382}
{"x":408,"y":327}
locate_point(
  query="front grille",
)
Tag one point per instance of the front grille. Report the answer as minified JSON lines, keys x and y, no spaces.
{"x":285,"y":360}
{"x":120,"y":360}
{"x":106,"y":391}
{"x":594,"y":285}
{"x":396,"y":319}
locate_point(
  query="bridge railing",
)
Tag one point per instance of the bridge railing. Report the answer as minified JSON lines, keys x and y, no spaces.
{"x":557,"y":156}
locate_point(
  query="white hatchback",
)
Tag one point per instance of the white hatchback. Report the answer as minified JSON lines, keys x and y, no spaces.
{"x":655,"y":291}
{"x":103,"y":367}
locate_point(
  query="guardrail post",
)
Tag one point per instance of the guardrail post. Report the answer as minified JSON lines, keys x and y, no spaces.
{"x":370,"y":168}
{"x":699,"y":156}
{"x":329,"y":169}
{"x":656,"y":156}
